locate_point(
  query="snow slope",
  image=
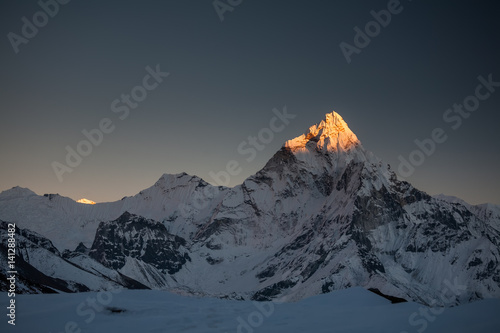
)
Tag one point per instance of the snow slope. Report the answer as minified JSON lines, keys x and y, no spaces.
{"x":351,"y":310}
{"x":323,"y":214}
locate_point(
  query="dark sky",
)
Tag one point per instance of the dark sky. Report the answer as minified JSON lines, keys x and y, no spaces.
{"x":227,"y":76}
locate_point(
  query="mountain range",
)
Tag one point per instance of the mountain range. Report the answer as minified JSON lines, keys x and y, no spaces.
{"x":323,"y":214}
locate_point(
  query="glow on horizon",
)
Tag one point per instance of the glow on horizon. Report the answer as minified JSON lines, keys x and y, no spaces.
{"x":86,"y":201}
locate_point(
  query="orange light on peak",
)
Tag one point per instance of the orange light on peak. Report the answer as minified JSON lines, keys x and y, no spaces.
{"x":86,"y":201}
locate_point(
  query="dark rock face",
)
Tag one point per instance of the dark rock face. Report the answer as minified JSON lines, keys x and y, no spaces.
{"x":81,"y":248}
{"x":134,"y":236}
{"x":213,"y":227}
{"x":393,"y":299}
{"x":268,"y":293}
{"x":349,"y":174}
{"x":311,"y":221}
{"x":37,"y":240}
{"x":30,"y":279}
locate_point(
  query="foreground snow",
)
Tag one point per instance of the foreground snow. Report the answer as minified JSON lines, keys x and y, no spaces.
{"x":351,"y":310}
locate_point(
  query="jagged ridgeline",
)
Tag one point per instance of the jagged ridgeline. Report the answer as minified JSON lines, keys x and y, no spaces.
{"x":323,"y":214}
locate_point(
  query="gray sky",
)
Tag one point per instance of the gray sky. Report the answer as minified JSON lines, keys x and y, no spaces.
{"x":226,"y":77}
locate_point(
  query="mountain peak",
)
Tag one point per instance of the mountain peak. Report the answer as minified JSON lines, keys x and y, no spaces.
{"x":331,"y":134}
{"x":86,"y":201}
{"x":17,"y":192}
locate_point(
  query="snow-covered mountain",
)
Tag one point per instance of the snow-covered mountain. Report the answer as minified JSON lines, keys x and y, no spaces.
{"x":323,"y":214}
